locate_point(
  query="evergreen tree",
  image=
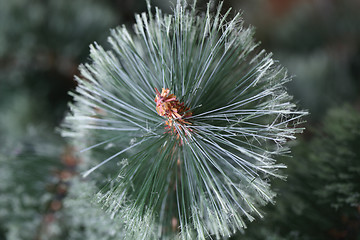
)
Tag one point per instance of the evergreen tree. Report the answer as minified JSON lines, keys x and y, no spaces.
{"x":44,"y":196}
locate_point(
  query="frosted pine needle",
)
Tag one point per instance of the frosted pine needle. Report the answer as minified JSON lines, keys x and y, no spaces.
{"x":195,"y":159}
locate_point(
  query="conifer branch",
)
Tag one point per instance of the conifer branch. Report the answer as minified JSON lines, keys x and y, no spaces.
{"x":197,"y":155}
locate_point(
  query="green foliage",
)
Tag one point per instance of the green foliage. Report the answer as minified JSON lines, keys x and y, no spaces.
{"x":337,"y":156}
{"x":318,"y":42}
{"x":322,"y":188}
{"x":210,"y":171}
{"x":84,"y":219}
{"x":64,"y":26}
{"x":41,"y":45}
{"x":25,"y":174}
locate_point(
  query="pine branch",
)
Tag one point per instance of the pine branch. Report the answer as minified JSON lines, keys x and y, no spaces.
{"x":197,"y":161}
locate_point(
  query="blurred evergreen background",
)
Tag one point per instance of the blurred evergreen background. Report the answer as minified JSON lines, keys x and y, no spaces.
{"x":42,"y":42}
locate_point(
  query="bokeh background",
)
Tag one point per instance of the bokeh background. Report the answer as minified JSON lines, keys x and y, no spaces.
{"x":42,"y":42}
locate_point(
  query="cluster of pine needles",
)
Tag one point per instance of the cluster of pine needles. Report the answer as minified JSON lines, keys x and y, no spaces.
{"x":186,"y":115}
